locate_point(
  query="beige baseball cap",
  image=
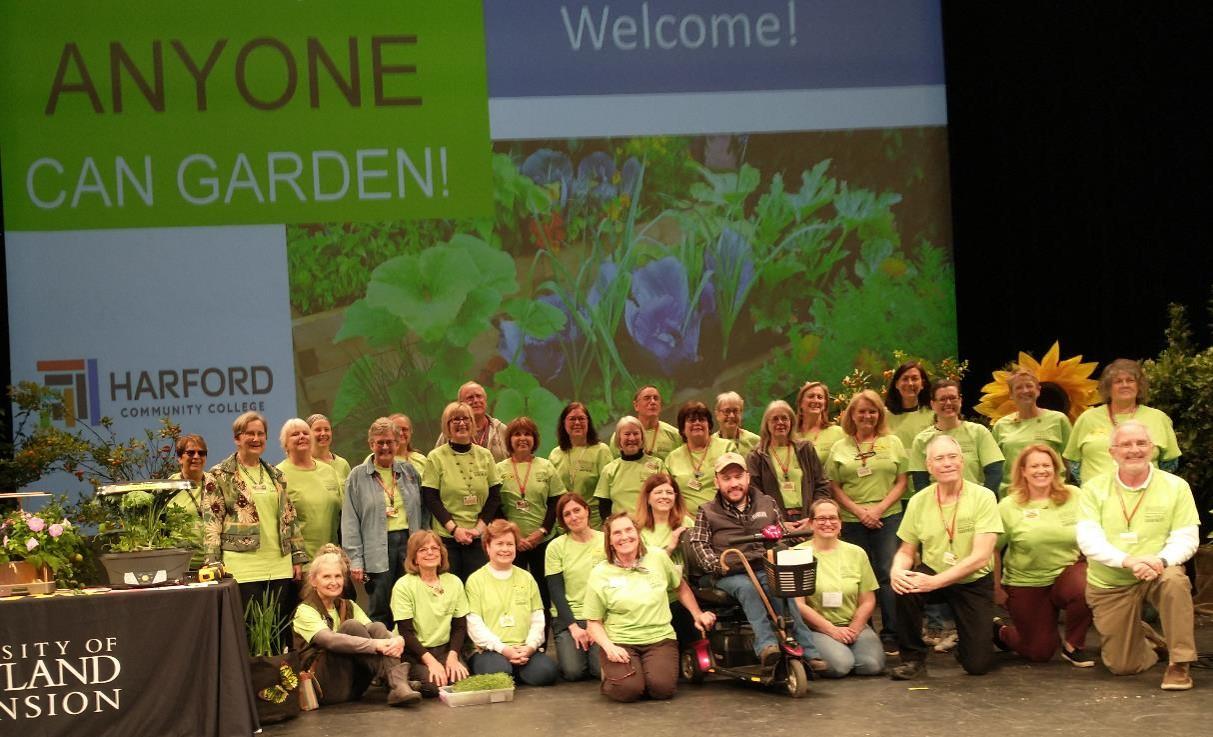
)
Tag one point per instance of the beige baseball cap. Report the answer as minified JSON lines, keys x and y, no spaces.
{"x":729,"y":459}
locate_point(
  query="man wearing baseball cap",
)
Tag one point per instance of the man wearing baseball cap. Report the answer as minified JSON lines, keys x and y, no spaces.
{"x":737,"y":510}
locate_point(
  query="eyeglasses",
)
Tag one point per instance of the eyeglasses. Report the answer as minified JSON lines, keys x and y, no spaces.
{"x":194,"y":453}
{"x":827,"y":519}
{"x":461,"y":420}
{"x":729,"y":411}
{"x":1135,"y":444}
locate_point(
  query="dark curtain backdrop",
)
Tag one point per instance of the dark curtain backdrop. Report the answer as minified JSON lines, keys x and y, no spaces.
{"x":1080,"y":152}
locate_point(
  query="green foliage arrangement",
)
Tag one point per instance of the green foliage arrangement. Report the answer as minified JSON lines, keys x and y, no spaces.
{"x":263,"y":623}
{"x":1181,"y":384}
{"x":484,"y":682}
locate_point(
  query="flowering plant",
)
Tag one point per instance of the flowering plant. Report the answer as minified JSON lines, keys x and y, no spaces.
{"x":43,"y":538}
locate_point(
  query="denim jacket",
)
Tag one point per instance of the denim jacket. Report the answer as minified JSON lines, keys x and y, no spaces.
{"x":364,"y":513}
{"x":229,"y":516}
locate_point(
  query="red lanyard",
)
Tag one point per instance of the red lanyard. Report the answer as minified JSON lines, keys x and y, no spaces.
{"x":949,"y":529}
{"x":523,"y":481}
{"x":860,"y":455}
{"x":391,"y":493}
{"x":1124,"y":510}
{"x":785,"y":465}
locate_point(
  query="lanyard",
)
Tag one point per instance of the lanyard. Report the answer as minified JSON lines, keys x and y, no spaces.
{"x":391,"y":493}
{"x":1124,"y":510}
{"x":860,"y":455}
{"x":649,"y":447}
{"x":522,"y":482}
{"x":1112,"y":417}
{"x":483,"y":440}
{"x":949,"y":529}
{"x":784,"y":465}
{"x":703,"y":457}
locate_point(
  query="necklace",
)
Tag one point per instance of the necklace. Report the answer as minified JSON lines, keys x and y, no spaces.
{"x":256,"y":483}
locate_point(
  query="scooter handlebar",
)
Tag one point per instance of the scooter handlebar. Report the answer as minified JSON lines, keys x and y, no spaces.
{"x":770,"y":533}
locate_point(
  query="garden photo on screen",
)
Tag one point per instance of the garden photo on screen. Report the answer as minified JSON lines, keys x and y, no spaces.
{"x":749,"y":262}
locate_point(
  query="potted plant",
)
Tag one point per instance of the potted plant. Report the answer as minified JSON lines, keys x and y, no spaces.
{"x":275,"y":675}
{"x":37,"y":547}
{"x":147,"y":540}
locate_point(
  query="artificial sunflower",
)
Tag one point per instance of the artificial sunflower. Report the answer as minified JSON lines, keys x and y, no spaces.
{"x":1065,"y":386}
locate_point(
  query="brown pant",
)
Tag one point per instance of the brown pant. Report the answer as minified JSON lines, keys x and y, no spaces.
{"x":1125,"y":649}
{"x":419,"y":671}
{"x":1034,"y":613}
{"x":345,"y":677}
{"x":651,"y":669}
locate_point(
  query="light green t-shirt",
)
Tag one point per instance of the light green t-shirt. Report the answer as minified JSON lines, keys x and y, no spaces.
{"x":976,"y":443}
{"x":462,"y":481}
{"x":1091,"y":438}
{"x":657,"y":442}
{"x":316,"y":494}
{"x":542,"y":483}
{"x":430,"y":609}
{"x":1040,"y":539}
{"x":907,"y":425}
{"x":788,"y":475}
{"x":398,"y":519}
{"x":695,"y":472}
{"x":659,"y":537}
{"x":621,"y":481}
{"x":574,"y":561}
{"x":191,"y":502}
{"x":926,"y":524}
{"x":745,"y":442}
{"x":307,"y":621}
{"x":341,"y":466}
{"x":1166,"y":504}
{"x":266,"y":563}
{"x":633,"y":604}
{"x":579,"y":469}
{"x":1013,"y":435}
{"x":879,"y":471}
{"x":504,"y":605}
{"x":417,"y":458}
{"x":842,"y":575}
{"x":824,"y":441}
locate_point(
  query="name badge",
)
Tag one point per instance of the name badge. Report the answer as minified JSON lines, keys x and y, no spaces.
{"x":950,"y":558}
{"x":522,"y":505}
{"x":1129,"y":537}
{"x":831,"y":599}
{"x":506,"y":620}
{"x":391,"y":511}
{"x":863,"y":471}
{"x":788,"y":486}
{"x":653,"y":466}
{"x":1031,"y":514}
{"x":585,"y":465}
{"x":694,"y":484}
{"x":471,"y":500}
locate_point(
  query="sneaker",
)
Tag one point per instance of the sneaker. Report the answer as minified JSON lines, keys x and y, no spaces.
{"x":817,"y":665}
{"x":890,"y":646}
{"x":947,"y":642}
{"x":1078,"y":657}
{"x":931,"y":635}
{"x":999,"y":623}
{"x":908,"y":670}
{"x":769,"y":655}
{"x":1176,"y":678}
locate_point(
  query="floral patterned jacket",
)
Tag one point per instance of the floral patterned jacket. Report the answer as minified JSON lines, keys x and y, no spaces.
{"x":230,"y":520}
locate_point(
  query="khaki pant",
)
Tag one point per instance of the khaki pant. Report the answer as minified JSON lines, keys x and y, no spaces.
{"x":1126,"y":649}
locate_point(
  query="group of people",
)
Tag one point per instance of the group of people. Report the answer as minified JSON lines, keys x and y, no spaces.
{"x":471,"y":553}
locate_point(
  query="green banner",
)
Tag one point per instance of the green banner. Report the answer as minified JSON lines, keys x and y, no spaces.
{"x":135,"y":114}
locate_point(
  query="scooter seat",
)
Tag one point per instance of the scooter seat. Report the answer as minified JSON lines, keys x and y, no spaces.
{"x":713,"y":596}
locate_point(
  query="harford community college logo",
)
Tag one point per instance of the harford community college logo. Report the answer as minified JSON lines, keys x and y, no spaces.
{"x":76,"y":380}
{"x":172,"y":392}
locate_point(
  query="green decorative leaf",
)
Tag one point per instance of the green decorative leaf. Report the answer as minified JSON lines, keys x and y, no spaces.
{"x":474,"y":317}
{"x":425,"y":291}
{"x":354,"y":391}
{"x":512,"y":377}
{"x":535,"y":318}
{"x":380,"y":327}
{"x":491,"y":269}
{"x":510,"y":404}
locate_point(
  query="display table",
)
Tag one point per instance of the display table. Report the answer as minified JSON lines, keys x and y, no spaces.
{"x":168,"y":662}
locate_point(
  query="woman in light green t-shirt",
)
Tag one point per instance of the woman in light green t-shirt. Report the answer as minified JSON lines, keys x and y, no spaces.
{"x":813,"y":423}
{"x":404,"y":442}
{"x":568,"y":563}
{"x":1042,"y":572}
{"x":430,"y":611}
{"x":312,"y":486}
{"x":579,"y":456}
{"x":840,"y":609}
{"x":1027,"y":425}
{"x":619,"y":485}
{"x":628,"y":614}
{"x":691,"y":463}
{"x":663,"y":518}
{"x":908,"y":401}
{"x":322,"y":447}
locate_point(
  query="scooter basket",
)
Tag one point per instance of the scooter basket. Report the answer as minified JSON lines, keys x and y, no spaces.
{"x":788,"y":581}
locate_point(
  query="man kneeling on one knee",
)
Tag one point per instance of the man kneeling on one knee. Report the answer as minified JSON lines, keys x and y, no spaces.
{"x":1138,"y":527}
{"x":955,"y":523}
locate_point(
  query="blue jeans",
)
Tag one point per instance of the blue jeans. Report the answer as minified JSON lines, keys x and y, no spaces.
{"x":864,"y":657}
{"x":379,"y":585}
{"x":880,"y":545}
{"x":739,"y":586}
{"x":575,"y":663}
{"x":538,"y":671}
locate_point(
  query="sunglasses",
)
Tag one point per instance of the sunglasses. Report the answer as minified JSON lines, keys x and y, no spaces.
{"x":194,"y":453}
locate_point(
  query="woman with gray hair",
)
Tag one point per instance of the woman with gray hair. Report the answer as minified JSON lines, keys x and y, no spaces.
{"x":730,"y":411}
{"x":313,"y":487}
{"x":382,"y":506}
{"x":786,"y":470}
{"x":620,"y":481}
{"x":1124,"y":388}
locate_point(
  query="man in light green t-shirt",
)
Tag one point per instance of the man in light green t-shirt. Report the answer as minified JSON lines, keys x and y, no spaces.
{"x":1138,"y":526}
{"x":954,"y":524}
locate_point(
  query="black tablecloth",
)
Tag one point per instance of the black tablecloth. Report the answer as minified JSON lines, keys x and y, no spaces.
{"x":167,"y":662}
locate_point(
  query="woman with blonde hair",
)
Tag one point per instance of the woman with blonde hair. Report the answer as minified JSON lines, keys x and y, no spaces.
{"x":345,"y":649}
{"x":430,"y":611}
{"x":867,"y":473}
{"x":1042,"y":571}
{"x":813,"y":423}
{"x":322,"y":446}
